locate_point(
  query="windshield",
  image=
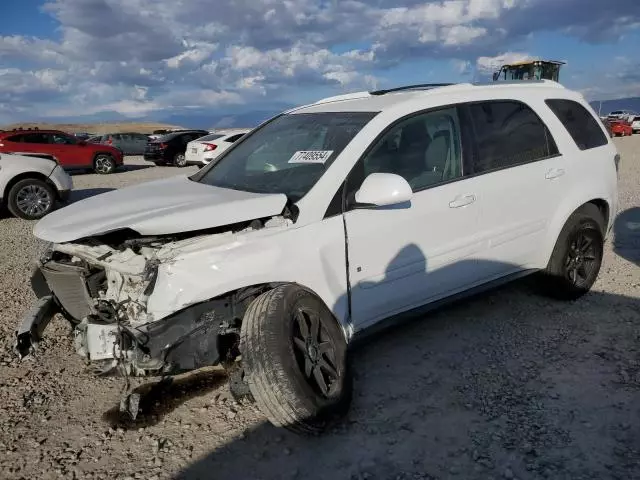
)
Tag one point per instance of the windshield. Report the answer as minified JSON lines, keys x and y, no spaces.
{"x":288,"y":155}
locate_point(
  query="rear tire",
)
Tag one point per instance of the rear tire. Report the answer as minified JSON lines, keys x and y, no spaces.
{"x":294,"y":356}
{"x":180,"y":160}
{"x":31,"y":199}
{"x":104,"y":164}
{"x":577,"y":256}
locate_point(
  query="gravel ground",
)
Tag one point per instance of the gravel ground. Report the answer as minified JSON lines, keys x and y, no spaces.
{"x":507,"y":385}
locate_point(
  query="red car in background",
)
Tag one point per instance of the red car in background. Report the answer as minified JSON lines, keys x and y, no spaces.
{"x":70,"y":152}
{"x":620,"y":128}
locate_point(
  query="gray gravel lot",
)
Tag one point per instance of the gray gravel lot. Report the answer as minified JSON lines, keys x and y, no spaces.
{"x":507,"y":385}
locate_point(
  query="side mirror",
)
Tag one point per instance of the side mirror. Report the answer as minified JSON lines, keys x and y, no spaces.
{"x":382,"y":190}
{"x":496,"y":75}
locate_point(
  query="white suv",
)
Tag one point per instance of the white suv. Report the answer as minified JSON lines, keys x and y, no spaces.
{"x":30,"y":184}
{"x":323,"y":222}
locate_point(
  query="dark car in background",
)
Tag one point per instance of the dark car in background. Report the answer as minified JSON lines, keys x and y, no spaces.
{"x":170,"y":148}
{"x":131,"y":143}
{"x":70,"y":152}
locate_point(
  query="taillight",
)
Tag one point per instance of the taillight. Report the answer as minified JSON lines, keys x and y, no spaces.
{"x":208,"y":147}
{"x":163,"y":145}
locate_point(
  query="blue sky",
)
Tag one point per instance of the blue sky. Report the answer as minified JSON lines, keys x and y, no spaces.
{"x":150,"y":59}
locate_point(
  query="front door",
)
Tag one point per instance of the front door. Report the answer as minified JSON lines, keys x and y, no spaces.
{"x":67,"y":150}
{"x":404,"y":256}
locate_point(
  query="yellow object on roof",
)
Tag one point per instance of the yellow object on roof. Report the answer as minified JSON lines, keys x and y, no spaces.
{"x":532,"y":61}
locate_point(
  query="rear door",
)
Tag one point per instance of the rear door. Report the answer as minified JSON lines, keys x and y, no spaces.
{"x":522,"y":177}
{"x":122,"y":141}
{"x":139,"y":142}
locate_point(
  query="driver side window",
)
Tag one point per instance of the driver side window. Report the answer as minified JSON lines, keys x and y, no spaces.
{"x":424,"y":149}
{"x":61,"y":139}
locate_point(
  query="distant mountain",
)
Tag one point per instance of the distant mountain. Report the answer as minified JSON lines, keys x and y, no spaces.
{"x":212,"y":119}
{"x":632,"y":104}
{"x":92,"y":127}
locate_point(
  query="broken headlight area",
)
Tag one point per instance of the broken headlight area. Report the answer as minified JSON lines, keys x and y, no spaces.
{"x":103,"y":286}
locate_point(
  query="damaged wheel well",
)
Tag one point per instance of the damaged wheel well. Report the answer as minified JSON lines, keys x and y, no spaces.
{"x":239,"y":301}
{"x":207,"y":333}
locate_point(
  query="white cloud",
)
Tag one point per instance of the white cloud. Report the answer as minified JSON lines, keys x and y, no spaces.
{"x":137,"y":56}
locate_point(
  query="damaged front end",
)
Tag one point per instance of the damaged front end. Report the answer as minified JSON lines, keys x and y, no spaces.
{"x":102,"y":285}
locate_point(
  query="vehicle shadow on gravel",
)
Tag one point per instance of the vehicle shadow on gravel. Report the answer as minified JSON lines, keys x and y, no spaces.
{"x":132,"y":168}
{"x":507,"y":384}
{"x":157,"y":399}
{"x":83,"y":193}
{"x":626,"y":231}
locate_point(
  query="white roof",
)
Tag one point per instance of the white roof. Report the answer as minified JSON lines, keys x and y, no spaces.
{"x":366,"y":102}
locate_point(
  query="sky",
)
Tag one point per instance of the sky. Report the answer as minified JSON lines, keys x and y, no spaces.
{"x":148,"y":59}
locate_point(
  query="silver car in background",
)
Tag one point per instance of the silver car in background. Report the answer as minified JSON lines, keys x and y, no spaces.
{"x":130,"y":143}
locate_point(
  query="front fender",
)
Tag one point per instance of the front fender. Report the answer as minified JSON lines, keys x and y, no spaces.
{"x":286,"y":257}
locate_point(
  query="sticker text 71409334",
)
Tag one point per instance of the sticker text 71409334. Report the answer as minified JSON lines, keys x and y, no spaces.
{"x":311,"y":156}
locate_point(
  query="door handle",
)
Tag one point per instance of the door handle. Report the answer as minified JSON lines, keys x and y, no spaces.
{"x":554,"y":173}
{"x":462,"y":200}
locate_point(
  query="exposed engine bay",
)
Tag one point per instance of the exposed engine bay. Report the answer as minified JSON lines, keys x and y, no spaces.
{"x":103,"y":284}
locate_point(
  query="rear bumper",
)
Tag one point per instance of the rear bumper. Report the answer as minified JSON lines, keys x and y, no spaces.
{"x":196,"y":162}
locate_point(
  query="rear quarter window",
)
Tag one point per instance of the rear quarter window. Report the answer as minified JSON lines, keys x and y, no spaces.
{"x":581,"y":125}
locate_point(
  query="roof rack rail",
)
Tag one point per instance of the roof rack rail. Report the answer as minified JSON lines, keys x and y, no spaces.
{"x":346,"y":96}
{"x":409,"y":87}
{"x":521,"y":83}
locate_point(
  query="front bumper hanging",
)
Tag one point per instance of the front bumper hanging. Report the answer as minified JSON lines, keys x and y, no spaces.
{"x":29,"y":333}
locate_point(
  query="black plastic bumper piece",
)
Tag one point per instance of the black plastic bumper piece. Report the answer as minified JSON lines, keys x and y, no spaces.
{"x":39,"y":283}
{"x":64,"y":195}
{"x":186,"y":340}
{"x":33,"y":324}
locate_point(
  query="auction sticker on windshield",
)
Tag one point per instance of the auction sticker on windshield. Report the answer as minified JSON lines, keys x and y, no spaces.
{"x":311,"y":156}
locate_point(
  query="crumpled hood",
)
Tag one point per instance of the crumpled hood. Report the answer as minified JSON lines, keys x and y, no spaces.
{"x":160,"y":207}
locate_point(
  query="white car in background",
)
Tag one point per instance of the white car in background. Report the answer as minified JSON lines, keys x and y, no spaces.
{"x":205,"y":149}
{"x":31,"y":185}
{"x":635,"y":124}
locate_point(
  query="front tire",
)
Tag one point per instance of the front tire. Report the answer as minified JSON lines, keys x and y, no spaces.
{"x":295,"y":359}
{"x":577,"y":256}
{"x":31,"y":199}
{"x":104,"y":164}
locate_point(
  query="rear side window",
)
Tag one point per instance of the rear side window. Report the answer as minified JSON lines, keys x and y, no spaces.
{"x":507,"y":133}
{"x":29,"y":138}
{"x":580,"y":124}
